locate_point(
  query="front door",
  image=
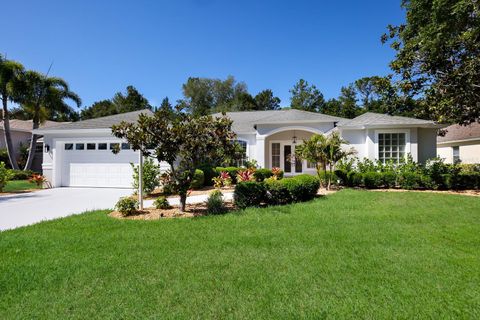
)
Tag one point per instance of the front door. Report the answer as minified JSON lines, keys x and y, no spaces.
{"x":289,"y":163}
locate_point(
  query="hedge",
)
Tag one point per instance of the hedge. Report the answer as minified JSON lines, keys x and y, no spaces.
{"x":249,"y":194}
{"x":20,"y":174}
{"x":209,"y":173}
{"x":277,"y":192}
{"x":198,"y":179}
{"x":263,"y":174}
{"x":303,"y":187}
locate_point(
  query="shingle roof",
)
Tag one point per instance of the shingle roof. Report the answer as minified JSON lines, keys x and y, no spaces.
{"x":378,"y":119}
{"x":26,"y":125}
{"x":457,"y":132}
{"x":244,"y":121}
{"x":101,"y":123}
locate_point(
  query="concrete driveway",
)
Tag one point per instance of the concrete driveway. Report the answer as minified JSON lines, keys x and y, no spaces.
{"x":19,"y":210}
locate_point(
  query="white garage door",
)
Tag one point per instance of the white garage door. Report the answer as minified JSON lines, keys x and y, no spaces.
{"x":92,"y":164}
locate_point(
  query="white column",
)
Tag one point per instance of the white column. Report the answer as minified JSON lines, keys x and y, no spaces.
{"x":140,"y":179}
{"x":260,"y":148}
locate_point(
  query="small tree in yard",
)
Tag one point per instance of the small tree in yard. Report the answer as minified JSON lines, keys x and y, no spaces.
{"x":181,"y":140}
{"x":325,"y":152}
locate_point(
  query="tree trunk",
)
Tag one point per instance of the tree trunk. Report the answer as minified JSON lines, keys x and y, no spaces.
{"x":33,"y":140}
{"x":319,"y":174}
{"x":8,"y":135}
{"x":183,"y":202}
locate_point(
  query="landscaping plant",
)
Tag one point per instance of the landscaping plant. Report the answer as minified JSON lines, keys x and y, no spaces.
{"x":198,"y":180}
{"x":162,"y":203}
{"x":215,"y":204}
{"x":150,"y":175}
{"x":38,"y":179}
{"x":4,"y":175}
{"x":246,"y":175}
{"x":126,"y":206}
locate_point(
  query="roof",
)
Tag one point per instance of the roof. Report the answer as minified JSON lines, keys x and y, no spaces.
{"x":26,"y":125}
{"x":245,"y":121}
{"x":458,"y":132}
{"x":100,"y":123}
{"x":371,"y":119}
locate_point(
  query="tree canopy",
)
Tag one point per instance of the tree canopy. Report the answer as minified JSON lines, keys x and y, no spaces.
{"x":438,"y":57}
{"x":306,"y":97}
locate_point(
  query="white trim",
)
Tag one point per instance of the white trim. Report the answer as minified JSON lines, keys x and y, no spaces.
{"x":70,"y":131}
{"x":407,"y":140}
{"x":458,"y":141}
{"x":291,"y":128}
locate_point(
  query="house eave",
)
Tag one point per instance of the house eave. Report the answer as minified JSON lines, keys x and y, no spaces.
{"x":458,"y":141}
{"x":70,"y":131}
{"x":382,"y":126}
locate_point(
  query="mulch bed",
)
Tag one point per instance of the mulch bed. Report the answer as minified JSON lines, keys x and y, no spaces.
{"x":192,"y":210}
{"x":205,"y":190}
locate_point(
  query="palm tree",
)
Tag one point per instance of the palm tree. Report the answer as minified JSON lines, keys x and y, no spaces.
{"x":42,"y":95}
{"x":9,"y":76}
{"x":335,"y":152}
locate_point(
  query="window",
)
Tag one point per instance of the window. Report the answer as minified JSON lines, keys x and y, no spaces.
{"x":114,"y":146}
{"x":90,"y":146}
{"x":311,"y":165}
{"x":79,"y":146}
{"x":125,"y":146}
{"x":276,"y":155}
{"x":102,"y":146}
{"x":242,"y":159}
{"x":456,"y":154}
{"x":68,"y":146}
{"x":391,"y":147}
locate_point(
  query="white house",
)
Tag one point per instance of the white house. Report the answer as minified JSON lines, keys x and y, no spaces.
{"x":79,"y":153}
{"x":460,"y":144}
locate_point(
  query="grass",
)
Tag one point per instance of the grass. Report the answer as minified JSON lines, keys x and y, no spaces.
{"x":354,"y":254}
{"x":19,"y":185}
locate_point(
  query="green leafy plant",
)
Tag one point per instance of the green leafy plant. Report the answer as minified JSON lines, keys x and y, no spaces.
{"x":150,"y":174}
{"x":372,"y":180}
{"x":198,"y":179}
{"x":4,"y":175}
{"x":37,"y":179}
{"x":215,"y":203}
{"x":246,"y":175}
{"x":162,"y":203}
{"x":126,"y":206}
{"x":249,"y":194}
{"x":276,"y":192}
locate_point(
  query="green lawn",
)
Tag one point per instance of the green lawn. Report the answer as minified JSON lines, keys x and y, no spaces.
{"x":354,"y":254}
{"x":19,"y":185}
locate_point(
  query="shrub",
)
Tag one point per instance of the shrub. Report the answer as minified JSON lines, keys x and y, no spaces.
{"x":262,"y":174}
{"x":389,"y":179}
{"x":372,"y":180}
{"x":223,"y":180}
{"x":277,"y":172}
{"x":209,"y":173}
{"x":162,"y":203}
{"x":341,"y":174}
{"x":303,"y":187}
{"x":276,"y":192}
{"x":465,"y":180}
{"x":198,"y":179}
{"x":245,"y":175}
{"x":354,"y":179}
{"x":324,"y":177}
{"x":409,"y":180}
{"x":4,"y":175}
{"x":150,"y":174}
{"x":249,"y":194}
{"x":126,"y":206}
{"x":232,"y":171}
{"x":38,"y":179}
{"x":20,"y":174}
{"x":215,"y":204}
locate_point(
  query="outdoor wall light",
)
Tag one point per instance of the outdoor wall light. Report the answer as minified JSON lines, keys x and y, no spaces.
{"x":47,"y":148}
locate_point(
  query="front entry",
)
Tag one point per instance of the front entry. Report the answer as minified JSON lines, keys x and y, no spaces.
{"x":283,"y":157}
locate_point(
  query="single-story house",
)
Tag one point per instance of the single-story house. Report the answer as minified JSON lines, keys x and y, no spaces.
{"x":460,"y":144}
{"x":21,"y":132}
{"x":79,"y":153}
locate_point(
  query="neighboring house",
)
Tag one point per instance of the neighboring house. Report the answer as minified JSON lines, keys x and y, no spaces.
{"x":460,"y":144}
{"x":21,"y":132}
{"x":79,"y":154}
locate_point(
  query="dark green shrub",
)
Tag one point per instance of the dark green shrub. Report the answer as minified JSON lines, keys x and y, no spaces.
{"x":126,"y":206}
{"x":209,"y":173}
{"x":465,"y":181}
{"x":303,"y":187}
{"x":20,"y":174}
{"x":162,"y":203}
{"x":215,"y":204}
{"x":324,"y":177}
{"x":409,"y":180}
{"x":232,"y":171}
{"x":249,"y":194}
{"x":389,"y":179}
{"x":150,"y":176}
{"x":198,"y":180}
{"x":276,"y":192}
{"x":4,"y":175}
{"x":354,"y":179}
{"x":372,"y":180}
{"x":342,"y":176}
{"x":262,"y":174}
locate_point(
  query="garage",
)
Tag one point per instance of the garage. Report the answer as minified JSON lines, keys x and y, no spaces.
{"x":93,"y":164}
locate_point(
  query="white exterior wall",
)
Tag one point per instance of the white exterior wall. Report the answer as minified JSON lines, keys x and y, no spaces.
{"x":469,"y":151}
{"x":427,"y":144}
{"x":356,"y":139}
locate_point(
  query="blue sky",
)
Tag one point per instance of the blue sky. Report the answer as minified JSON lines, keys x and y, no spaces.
{"x":100,"y":47}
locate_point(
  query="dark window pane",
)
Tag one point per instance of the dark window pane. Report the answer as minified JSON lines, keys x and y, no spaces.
{"x":79,"y":146}
{"x":90,"y":146}
{"x":68,"y":146}
{"x":125,"y":146}
{"x":287,"y":154}
{"x":102,"y":146}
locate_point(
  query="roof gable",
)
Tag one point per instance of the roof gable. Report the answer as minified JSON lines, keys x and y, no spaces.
{"x":458,"y":132}
{"x":371,"y":119}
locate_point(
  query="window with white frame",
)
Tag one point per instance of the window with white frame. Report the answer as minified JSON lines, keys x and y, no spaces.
{"x":276,"y":155}
{"x":391,"y":146}
{"x":456,"y":154}
{"x":242,"y":159}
